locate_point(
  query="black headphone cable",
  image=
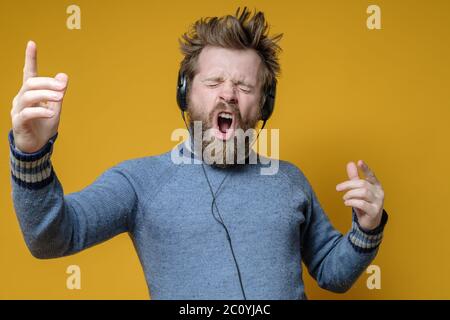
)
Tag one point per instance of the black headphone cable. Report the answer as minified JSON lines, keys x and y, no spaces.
{"x":214,"y":204}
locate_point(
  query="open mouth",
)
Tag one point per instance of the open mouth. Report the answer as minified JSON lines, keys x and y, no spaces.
{"x":224,"y":124}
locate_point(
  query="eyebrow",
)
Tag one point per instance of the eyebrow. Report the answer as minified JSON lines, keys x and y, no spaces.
{"x":219,"y":78}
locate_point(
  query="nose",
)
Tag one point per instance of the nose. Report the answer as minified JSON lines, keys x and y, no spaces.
{"x":228,"y":93}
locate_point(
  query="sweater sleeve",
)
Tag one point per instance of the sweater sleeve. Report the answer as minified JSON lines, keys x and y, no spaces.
{"x":334,"y":260}
{"x":56,"y":225}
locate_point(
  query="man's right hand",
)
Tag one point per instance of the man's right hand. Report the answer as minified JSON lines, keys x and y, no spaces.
{"x":36,"y":108}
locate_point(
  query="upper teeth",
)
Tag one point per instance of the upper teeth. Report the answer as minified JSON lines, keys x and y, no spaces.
{"x":225,"y":115}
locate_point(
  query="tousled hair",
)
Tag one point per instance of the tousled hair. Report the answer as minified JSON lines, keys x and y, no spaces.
{"x":241,"y":31}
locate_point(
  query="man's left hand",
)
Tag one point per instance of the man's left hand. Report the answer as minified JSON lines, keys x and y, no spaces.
{"x":366,"y":196}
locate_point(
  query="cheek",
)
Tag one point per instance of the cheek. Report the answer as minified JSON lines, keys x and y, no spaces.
{"x":201,"y":99}
{"x":249,"y":108}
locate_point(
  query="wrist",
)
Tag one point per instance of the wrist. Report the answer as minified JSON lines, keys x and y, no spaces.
{"x":31,"y":170}
{"x":23,"y":146}
{"x":369,"y":225}
{"x":363,"y":240}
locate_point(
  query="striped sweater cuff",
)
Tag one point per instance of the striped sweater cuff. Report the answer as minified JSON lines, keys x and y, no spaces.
{"x":366,"y":240}
{"x":31,"y":170}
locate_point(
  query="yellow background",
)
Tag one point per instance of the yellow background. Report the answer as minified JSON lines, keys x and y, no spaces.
{"x":346,"y":93}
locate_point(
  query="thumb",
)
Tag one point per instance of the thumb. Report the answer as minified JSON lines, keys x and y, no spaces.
{"x":62,"y":77}
{"x":56,"y":106}
{"x":352,"y":171}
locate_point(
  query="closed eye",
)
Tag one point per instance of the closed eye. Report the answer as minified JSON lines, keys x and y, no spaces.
{"x":245,"y":89}
{"x":212,"y":83}
{"x":242,"y":86}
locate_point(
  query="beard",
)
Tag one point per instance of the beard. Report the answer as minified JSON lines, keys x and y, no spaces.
{"x":223,"y":153}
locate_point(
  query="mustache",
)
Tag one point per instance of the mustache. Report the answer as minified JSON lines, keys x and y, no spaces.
{"x":224,"y":106}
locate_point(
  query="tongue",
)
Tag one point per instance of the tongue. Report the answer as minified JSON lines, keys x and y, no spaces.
{"x":224,"y":124}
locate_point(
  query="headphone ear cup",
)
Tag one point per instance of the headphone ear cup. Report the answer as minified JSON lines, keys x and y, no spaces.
{"x":269,"y":102}
{"x":181,"y":91}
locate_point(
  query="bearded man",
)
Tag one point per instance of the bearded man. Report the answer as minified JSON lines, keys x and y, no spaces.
{"x":212,"y":229}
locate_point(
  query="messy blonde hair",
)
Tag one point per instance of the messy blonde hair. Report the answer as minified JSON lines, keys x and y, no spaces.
{"x":241,"y":31}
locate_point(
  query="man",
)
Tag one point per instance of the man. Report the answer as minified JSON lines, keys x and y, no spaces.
{"x":218,"y":230}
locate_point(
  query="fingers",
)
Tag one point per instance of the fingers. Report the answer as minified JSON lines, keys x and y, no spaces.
{"x":364,"y":195}
{"x":370,"y":176}
{"x":30,"y":67}
{"x":34,"y":97}
{"x":365,"y":206}
{"x":34,"y":113}
{"x":40,"y":90}
{"x":47,"y":83}
{"x":352,"y":171}
{"x":352,"y":184}
{"x":360,"y":193}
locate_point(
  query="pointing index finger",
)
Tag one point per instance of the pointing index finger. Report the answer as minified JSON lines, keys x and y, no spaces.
{"x":30,"y":67}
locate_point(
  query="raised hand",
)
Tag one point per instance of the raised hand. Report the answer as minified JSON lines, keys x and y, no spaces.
{"x":36,"y":109}
{"x":365,"y":195}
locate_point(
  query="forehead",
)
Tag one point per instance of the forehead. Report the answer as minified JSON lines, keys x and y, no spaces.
{"x":221,"y":62}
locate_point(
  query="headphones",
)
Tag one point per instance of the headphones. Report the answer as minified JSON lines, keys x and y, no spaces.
{"x":266,"y":110}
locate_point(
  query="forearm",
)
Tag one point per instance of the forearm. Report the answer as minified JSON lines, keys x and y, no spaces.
{"x":38,"y":199}
{"x":55,"y":224}
{"x":346,"y":257}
